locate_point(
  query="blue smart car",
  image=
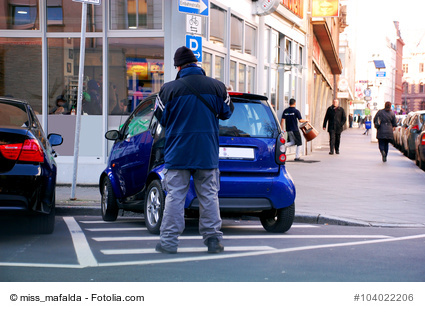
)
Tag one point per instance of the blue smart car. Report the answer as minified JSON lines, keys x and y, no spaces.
{"x":253,"y":180}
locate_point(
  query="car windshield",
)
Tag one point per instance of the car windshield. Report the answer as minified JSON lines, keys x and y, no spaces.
{"x":13,"y":115}
{"x":250,"y":119}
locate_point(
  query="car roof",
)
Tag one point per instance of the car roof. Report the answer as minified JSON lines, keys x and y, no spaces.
{"x":10,"y":100}
{"x":247,"y":96}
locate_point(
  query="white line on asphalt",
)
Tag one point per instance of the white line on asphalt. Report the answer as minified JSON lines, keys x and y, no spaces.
{"x":115,"y":229}
{"x":181,"y":250}
{"x":81,"y":246}
{"x":261,"y":227}
{"x":261,"y":253}
{"x":222,"y":255}
{"x":111,"y":222}
{"x":229,"y":237}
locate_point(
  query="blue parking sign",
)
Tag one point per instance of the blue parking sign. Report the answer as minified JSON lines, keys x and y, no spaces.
{"x":195,"y":44}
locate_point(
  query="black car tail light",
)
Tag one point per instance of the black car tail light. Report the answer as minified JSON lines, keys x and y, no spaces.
{"x":280,"y":150}
{"x":29,"y":151}
{"x":423,"y":140}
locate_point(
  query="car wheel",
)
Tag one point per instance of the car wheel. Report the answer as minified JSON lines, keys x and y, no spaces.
{"x":278,"y":220}
{"x":421,"y":163}
{"x":44,"y":223}
{"x":154,"y":206}
{"x":108,"y":202}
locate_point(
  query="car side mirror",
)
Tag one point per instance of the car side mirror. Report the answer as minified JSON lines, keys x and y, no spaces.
{"x":55,"y":139}
{"x":112,"y":135}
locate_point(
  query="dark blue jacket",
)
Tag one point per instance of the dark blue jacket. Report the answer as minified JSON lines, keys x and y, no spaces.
{"x":191,"y":129}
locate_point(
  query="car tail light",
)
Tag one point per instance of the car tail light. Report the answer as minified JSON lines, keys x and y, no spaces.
{"x":415,"y":127}
{"x":280,"y":150}
{"x":29,"y":151}
{"x":423,"y":140}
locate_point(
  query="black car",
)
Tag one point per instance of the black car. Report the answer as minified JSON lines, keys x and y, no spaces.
{"x":27,"y":166}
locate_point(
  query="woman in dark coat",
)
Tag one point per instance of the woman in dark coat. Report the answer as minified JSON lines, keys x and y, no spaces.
{"x":385,"y":122}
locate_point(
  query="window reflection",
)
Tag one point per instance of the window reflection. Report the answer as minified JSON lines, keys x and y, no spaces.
{"x":135,"y":14}
{"x":218,"y":25}
{"x":63,"y":57}
{"x":219,"y":68}
{"x":20,"y":74}
{"x":136,"y":70}
{"x":15,"y":14}
{"x":65,"y":16}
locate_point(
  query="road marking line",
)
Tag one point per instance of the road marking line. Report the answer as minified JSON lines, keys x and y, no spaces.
{"x":181,"y":250}
{"x":220,"y":256}
{"x":115,"y":229}
{"x":81,"y":246}
{"x":259,"y":253}
{"x":111,"y":222}
{"x":261,"y":227}
{"x":228,"y":237}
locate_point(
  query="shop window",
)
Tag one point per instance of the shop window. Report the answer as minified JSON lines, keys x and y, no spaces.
{"x":242,"y":76}
{"x":251,"y":79}
{"x":236,"y":34}
{"x":233,"y":74}
{"x":217,"y":25}
{"x":135,"y":14}
{"x":207,"y":63}
{"x":136,"y":70}
{"x":250,"y":40}
{"x":219,"y":68}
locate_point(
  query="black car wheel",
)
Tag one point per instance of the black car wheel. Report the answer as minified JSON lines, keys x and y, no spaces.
{"x":278,"y":220}
{"x":108,"y":202}
{"x":44,"y":223}
{"x":154,"y":206}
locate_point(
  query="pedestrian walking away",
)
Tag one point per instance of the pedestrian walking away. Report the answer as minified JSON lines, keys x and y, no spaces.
{"x":335,"y":118}
{"x":385,"y":122}
{"x":290,"y":118}
{"x":189,"y":108}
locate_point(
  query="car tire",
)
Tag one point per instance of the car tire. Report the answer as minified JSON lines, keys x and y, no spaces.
{"x":421,"y":163}
{"x":278,"y":220}
{"x":154,"y":206}
{"x":108,"y":202}
{"x":44,"y":223}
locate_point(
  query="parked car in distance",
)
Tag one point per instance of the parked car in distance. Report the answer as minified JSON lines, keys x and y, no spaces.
{"x":403,"y":133}
{"x":420,"y":148}
{"x":27,"y":166}
{"x":397,"y":131}
{"x":412,"y":131}
{"x":253,"y":180}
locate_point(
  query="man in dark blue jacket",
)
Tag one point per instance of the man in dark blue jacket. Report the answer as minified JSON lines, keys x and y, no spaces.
{"x":191,"y":149}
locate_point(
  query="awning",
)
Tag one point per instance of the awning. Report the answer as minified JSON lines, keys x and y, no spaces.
{"x":323,"y":34}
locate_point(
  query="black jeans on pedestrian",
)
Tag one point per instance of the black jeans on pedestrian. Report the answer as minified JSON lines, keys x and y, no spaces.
{"x":383,"y":145}
{"x":334,"y":140}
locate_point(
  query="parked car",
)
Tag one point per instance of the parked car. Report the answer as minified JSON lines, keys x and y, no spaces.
{"x":403,"y":133}
{"x":420,"y":148}
{"x":27,"y":166}
{"x":397,"y":131}
{"x":254,"y":180}
{"x":412,"y":131}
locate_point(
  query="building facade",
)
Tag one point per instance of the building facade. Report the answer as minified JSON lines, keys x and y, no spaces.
{"x":413,"y":97}
{"x":129,"y":47}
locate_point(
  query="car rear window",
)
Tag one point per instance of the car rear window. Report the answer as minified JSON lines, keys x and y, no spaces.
{"x":250,"y":119}
{"x":13,"y":115}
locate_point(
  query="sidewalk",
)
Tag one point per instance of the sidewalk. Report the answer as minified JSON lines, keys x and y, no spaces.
{"x":352,"y":188}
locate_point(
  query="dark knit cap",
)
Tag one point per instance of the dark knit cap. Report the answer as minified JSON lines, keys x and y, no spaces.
{"x":184,"y":55}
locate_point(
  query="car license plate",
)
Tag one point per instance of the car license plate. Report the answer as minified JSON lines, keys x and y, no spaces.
{"x":236,"y":153}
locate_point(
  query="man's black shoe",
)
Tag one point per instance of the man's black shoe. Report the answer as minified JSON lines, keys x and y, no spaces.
{"x":298,"y":159}
{"x":159,"y":248}
{"x":331,"y":153}
{"x":337,"y":152}
{"x":214,"y":245}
